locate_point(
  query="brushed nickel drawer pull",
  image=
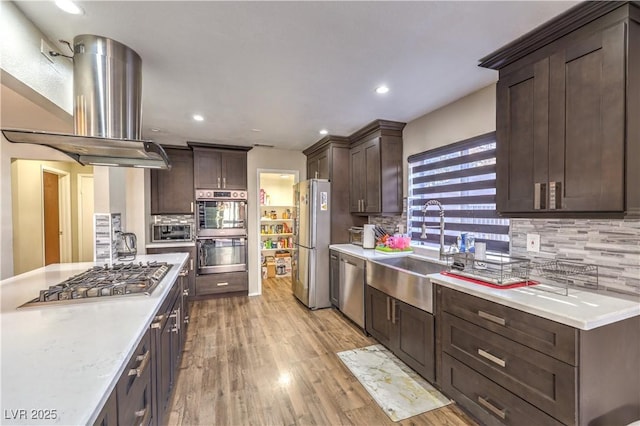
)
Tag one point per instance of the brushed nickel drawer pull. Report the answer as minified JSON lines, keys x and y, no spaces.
{"x":492,"y":318}
{"x":221,"y":284}
{"x":492,"y":358}
{"x":144,"y":361}
{"x":489,"y":406}
{"x":145,"y":413}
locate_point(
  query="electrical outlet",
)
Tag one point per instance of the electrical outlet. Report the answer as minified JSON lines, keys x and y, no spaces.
{"x":533,"y":242}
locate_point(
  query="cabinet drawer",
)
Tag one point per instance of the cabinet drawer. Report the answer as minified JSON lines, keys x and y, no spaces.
{"x":134,"y":387}
{"x":221,"y":283}
{"x":549,"y":337}
{"x":489,"y":402}
{"x":543,"y":381}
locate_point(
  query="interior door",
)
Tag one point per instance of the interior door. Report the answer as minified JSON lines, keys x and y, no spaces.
{"x":51,"y":218}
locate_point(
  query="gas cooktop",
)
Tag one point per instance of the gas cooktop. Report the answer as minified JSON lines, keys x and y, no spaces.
{"x":119,"y":279}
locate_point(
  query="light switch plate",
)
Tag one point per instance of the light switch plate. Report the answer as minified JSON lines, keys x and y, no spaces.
{"x":533,"y":242}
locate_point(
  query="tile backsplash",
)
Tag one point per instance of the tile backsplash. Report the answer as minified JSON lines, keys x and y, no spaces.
{"x":613,"y":245}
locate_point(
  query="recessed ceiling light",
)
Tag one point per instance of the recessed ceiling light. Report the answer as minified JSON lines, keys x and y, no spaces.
{"x":256,"y":130}
{"x":155,"y":130}
{"x":382,"y":89}
{"x":324,"y":132}
{"x":69,"y":7}
{"x":198,"y":117}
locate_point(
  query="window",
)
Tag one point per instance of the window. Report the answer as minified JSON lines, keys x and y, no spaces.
{"x":462,"y":176}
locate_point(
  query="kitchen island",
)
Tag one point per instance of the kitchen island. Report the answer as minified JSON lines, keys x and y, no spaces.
{"x":60,"y":363}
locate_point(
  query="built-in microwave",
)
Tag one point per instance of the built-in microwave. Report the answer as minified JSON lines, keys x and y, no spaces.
{"x":162,"y":233}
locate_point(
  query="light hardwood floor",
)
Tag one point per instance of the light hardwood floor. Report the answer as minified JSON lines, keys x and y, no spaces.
{"x":268,"y":360}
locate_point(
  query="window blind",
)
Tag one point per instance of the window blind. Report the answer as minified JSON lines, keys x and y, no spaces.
{"x":462,"y":176}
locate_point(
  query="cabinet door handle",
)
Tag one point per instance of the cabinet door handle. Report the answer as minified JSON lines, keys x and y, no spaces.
{"x":555,"y":195}
{"x":144,"y":361}
{"x":540,"y":196}
{"x":186,"y":319}
{"x":191,"y":264}
{"x":224,"y":182}
{"x":492,"y":318}
{"x":183,"y":272}
{"x":492,"y":358}
{"x":185,"y":292}
{"x":218,"y":182}
{"x":393,"y":311}
{"x":489,"y":406}
{"x":157,"y":321}
{"x":388,"y":309}
{"x":221,"y":284}
{"x":192,"y":207}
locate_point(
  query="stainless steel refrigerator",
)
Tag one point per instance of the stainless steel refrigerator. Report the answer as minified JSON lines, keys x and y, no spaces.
{"x":311,"y":235}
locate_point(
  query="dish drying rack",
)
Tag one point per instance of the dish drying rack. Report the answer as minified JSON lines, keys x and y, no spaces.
{"x":557,"y":276}
{"x":499,"y":270}
{"x":554,"y":276}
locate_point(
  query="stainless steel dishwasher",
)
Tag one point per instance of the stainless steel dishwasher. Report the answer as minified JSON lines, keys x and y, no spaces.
{"x":352,"y":273}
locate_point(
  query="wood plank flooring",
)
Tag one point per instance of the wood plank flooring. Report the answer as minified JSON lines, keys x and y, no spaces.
{"x":268,"y":360}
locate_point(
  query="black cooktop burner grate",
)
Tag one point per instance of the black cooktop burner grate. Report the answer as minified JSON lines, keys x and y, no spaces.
{"x":119,"y":279}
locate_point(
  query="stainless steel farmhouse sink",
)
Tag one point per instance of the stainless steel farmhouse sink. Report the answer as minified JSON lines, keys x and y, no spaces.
{"x":404,"y":278}
{"x":412,"y":264}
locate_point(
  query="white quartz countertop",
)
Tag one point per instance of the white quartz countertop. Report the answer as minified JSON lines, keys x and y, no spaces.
{"x":67,"y":358}
{"x":171,"y":244}
{"x":581,"y":309}
{"x":363,"y":253}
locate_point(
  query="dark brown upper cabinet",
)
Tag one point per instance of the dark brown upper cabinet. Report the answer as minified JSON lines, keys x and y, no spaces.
{"x":219,"y":166}
{"x":375,"y":167}
{"x":567,"y":98}
{"x":172,"y":190}
{"x":329,"y":159}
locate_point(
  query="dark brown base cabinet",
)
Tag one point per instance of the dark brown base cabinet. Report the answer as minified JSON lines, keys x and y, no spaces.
{"x":568,"y":98}
{"x":405,"y":330}
{"x":222,"y":283}
{"x":142,"y":392}
{"x":509,"y":367}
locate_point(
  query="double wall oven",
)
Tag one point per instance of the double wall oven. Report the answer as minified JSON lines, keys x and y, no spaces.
{"x":221,"y":231}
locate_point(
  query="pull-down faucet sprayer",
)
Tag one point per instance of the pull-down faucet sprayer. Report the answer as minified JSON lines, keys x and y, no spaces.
{"x":441,"y":227}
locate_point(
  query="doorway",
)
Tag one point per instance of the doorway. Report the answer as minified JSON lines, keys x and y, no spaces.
{"x":51,"y":209}
{"x":56,"y":215}
{"x":275,"y":225}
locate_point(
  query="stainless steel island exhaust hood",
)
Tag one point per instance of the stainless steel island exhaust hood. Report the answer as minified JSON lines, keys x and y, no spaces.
{"x":107,"y":102}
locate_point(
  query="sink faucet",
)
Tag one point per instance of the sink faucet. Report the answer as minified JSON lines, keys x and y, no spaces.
{"x":441,"y":227}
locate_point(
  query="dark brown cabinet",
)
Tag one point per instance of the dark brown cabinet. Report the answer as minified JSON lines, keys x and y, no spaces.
{"x":219,"y":168}
{"x":172,"y":190}
{"x":405,"y":330}
{"x":334,"y":278}
{"x":329,"y":159}
{"x":133,"y":390}
{"x":109,"y":414}
{"x":190,"y":286}
{"x":221,"y":283}
{"x":375,"y":163}
{"x":566,"y":142}
{"x":510,"y":367}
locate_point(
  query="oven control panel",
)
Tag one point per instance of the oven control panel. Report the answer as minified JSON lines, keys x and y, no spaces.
{"x":212,"y":194}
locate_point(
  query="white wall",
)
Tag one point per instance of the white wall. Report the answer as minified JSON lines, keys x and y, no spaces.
{"x":465,"y":118}
{"x":270,"y":159}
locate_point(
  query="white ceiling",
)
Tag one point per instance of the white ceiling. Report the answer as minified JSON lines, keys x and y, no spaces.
{"x":293,"y":68}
